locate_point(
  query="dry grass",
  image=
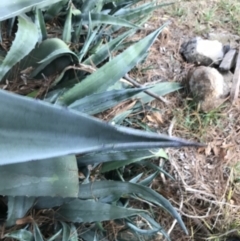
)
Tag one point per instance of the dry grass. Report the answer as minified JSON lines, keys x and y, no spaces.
{"x":206,"y":191}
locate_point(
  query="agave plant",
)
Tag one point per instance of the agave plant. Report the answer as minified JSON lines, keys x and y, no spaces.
{"x":72,"y":55}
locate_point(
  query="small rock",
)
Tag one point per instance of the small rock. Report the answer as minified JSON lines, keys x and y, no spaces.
{"x":229,"y":60}
{"x":207,"y":86}
{"x":225,"y":38}
{"x":203,"y":52}
{"x":228,"y":79}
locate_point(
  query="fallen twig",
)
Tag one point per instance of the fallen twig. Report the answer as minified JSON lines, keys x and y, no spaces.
{"x":136,"y":84}
{"x":236,"y":81}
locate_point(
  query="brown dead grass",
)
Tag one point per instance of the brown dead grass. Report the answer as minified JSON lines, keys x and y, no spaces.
{"x":205,"y":191}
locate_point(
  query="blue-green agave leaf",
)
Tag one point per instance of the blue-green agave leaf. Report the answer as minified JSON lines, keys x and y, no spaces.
{"x":99,"y":18}
{"x":51,"y":56}
{"x":142,"y":231}
{"x":17,"y":208}
{"x":137,"y":178}
{"x":55,"y":236}
{"x":51,"y":177}
{"x":73,"y":233}
{"x":67,"y":29}
{"x":12,"y":8}
{"x":162,"y":88}
{"x":66,"y":231}
{"x":54,"y":9}
{"x":39,"y":21}
{"x":101,"y":157}
{"x":142,"y":10}
{"x":79,"y":211}
{"x":102,"y":189}
{"x":48,"y":58}
{"x":148,"y":180}
{"x":107,"y":48}
{"x":100,"y":102}
{"x":151,"y":165}
{"x":91,"y":36}
{"x":156,"y":225}
{"x":37,"y":233}
{"x":46,"y":131}
{"x":106,"y":188}
{"x":87,"y":6}
{"x":115,"y":164}
{"x":112,"y":71}
{"x":21,"y":235}
{"x":24,"y":42}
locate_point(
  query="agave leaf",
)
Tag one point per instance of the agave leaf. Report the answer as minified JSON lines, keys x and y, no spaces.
{"x":107,"y":48}
{"x":17,"y":208}
{"x":12,"y":8}
{"x":67,"y":29}
{"x":155,"y":224}
{"x":134,"y":15}
{"x":128,"y":234}
{"x":99,"y":102}
{"x":154,"y":167}
{"x":79,"y":211}
{"x":10,"y":24}
{"x":37,"y":233}
{"x":87,"y":6}
{"x":54,"y":9}
{"x":160,"y":89}
{"x":112,"y":71}
{"x":99,"y":18}
{"x":53,"y":51}
{"x":45,"y":131}
{"x":131,"y":13}
{"x":21,"y":235}
{"x":119,"y":118}
{"x":91,"y":36}
{"x":143,"y":10}
{"x":54,"y":237}
{"x":148,"y":180}
{"x":24,"y":42}
{"x":119,"y":2}
{"x":112,"y":165}
{"x":137,"y":178}
{"x":1,"y":40}
{"x":92,"y":235}
{"x":50,"y":202}
{"x":142,"y":231}
{"x":155,"y":228}
{"x":39,"y":21}
{"x":106,"y":188}
{"x":50,"y":57}
{"x":101,"y":157}
{"x":66,"y":231}
{"x":73,"y":233}
{"x":52,"y":177}
{"x":114,"y":29}
{"x":77,"y":32}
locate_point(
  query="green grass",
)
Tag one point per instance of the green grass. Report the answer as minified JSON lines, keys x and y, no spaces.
{"x":196,"y":122}
{"x":231,"y":10}
{"x":223,"y":13}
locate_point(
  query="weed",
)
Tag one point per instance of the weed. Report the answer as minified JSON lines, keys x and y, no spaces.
{"x":209,"y":15}
{"x":178,"y":11}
